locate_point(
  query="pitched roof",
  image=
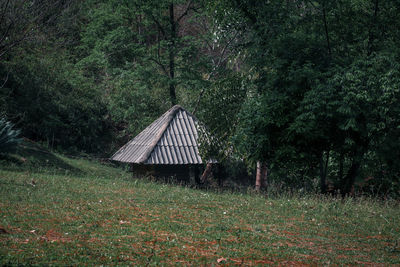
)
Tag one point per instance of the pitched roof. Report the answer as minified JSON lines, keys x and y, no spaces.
{"x":171,"y":139}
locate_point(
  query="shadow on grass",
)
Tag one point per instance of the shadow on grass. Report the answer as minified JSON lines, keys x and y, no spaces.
{"x":32,"y":157}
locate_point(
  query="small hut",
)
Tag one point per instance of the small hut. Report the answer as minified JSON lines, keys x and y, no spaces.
{"x":166,"y":148}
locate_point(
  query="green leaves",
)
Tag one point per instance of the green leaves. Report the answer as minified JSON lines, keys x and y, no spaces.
{"x":326,"y":79}
{"x":9,"y":138}
{"x":220,"y":105}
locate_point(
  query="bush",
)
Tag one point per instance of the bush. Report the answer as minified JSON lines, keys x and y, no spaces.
{"x":9,"y":139}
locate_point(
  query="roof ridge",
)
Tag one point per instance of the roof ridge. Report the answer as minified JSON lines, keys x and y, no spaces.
{"x":170,"y":115}
{"x":188,"y":112}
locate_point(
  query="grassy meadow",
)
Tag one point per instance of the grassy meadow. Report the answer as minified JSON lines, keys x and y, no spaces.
{"x":56,"y":210}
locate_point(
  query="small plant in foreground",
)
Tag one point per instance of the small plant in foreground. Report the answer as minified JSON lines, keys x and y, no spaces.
{"x":9,"y":138}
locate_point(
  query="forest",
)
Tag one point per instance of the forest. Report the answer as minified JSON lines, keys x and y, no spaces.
{"x":307,"y":89}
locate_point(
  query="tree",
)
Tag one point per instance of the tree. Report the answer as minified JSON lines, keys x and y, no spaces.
{"x":145,"y":56}
{"x":42,"y":93}
{"x":321,"y":56}
{"x":20,"y":20}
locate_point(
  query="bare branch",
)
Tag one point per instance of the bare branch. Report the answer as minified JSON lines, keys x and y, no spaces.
{"x":155,"y":20}
{"x":213,"y":71}
{"x":5,"y":80}
{"x":158,"y":61}
{"x":159,"y":64}
{"x":158,"y":25}
{"x":186,"y":11}
{"x":225,"y":48}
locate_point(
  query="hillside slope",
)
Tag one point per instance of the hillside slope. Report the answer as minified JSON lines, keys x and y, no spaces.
{"x":66,"y":211}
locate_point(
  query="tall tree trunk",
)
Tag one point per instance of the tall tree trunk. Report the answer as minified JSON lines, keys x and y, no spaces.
{"x":261,"y":175}
{"x":341,"y":159}
{"x":172,"y":93}
{"x":323,"y":171}
{"x":326,"y":31}
{"x":258,"y":176}
{"x":348,"y":181}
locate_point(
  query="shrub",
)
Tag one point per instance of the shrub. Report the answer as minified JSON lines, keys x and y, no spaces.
{"x":9,"y":139}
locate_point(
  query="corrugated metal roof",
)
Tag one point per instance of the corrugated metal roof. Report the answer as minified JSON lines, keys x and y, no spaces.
{"x":171,"y":139}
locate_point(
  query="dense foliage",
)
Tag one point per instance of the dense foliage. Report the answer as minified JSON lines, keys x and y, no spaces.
{"x":327,"y":90}
{"x":309,"y":87}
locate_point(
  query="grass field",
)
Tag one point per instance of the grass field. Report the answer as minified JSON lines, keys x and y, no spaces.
{"x":80,"y":212}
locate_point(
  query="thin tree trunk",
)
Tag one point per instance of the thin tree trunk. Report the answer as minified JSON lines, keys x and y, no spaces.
{"x":321,"y":174}
{"x":258,"y":176}
{"x":371,"y":36}
{"x":264,"y":175}
{"x":323,"y":171}
{"x":206,"y":172}
{"x":341,"y":159}
{"x":172,"y":93}
{"x":326,"y":31}
{"x":326,"y":169}
{"x":261,"y":175}
{"x":348,"y":181}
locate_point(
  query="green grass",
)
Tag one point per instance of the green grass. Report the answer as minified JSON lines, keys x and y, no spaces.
{"x":84,"y":213}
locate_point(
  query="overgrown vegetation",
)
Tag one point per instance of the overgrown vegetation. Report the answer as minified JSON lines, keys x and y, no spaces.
{"x":56,"y":210}
{"x":306,"y":90}
{"x":309,"y":89}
